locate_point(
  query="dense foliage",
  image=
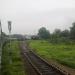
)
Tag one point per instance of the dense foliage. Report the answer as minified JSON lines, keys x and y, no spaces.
{"x":44,"y":33}
{"x":57,"y":34}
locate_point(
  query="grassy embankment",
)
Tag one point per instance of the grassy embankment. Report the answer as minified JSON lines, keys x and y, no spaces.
{"x":62,"y":53}
{"x":16,"y":67}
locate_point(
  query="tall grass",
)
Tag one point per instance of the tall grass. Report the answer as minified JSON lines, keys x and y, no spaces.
{"x":16,"y":66}
{"x":63,"y":53}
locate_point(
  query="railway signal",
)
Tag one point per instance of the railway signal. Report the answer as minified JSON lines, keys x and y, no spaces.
{"x":9,"y":28}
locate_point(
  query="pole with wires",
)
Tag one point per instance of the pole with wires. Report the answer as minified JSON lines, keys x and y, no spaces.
{"x":0,"y":46}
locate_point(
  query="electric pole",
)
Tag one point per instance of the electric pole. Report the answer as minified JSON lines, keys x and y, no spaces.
{"x":0,"y":46}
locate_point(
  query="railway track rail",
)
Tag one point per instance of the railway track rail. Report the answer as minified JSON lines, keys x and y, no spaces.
{"x":40,"y":66}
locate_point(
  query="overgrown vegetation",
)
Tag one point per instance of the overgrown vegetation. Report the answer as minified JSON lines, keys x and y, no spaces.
{"x":43,"y":33}
{"x":16,"y":66}
{"x":69,"y":34}
{"x":61,"y":52}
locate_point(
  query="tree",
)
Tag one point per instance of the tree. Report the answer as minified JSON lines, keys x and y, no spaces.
{"x":72,"y":31}
{"x":57,"y":33}
{"x":44,"y":33}
{"x":65,"y":33}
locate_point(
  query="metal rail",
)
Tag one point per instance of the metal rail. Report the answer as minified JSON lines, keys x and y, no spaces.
{"x":40,"y":66}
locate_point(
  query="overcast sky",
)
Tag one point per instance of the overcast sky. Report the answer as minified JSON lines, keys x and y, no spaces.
{"x":28,"y":16}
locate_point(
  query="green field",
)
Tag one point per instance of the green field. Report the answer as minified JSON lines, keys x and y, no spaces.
{"x":16,"y":66}
{"x":62,"y":53}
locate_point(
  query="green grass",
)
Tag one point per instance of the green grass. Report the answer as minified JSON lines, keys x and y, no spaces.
{"x":16,"y":67}
{"x":62,"y":53}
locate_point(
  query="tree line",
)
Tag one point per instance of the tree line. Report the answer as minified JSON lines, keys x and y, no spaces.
{"x":57,"y":35}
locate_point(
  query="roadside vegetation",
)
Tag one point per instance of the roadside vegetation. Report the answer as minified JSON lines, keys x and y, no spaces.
{"x":59,"y":45}
{"x":61,"y":52}
{"x":12,"y":63}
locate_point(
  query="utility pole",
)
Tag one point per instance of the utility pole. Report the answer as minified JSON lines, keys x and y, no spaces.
{"x":0,"y":46}
{"x":9,"y":28}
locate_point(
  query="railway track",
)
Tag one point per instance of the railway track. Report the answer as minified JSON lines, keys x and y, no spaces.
{"x":40,"y":66}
